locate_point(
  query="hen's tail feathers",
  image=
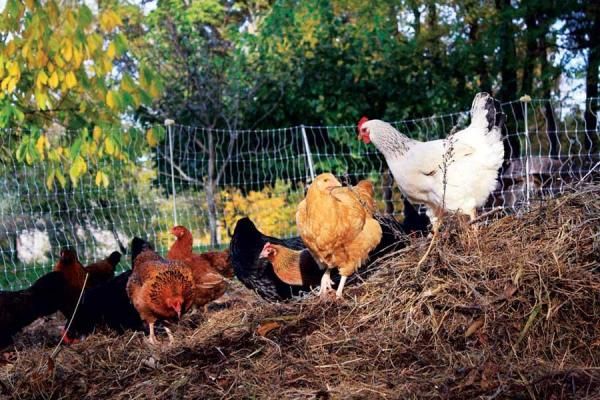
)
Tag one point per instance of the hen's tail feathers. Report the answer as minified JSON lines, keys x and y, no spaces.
{"x":137,"y":246}
{"x":114,"y":258}
{"x":486,"y":113}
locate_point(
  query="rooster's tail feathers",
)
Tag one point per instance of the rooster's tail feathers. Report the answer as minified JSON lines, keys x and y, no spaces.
{"x":483,"y":111}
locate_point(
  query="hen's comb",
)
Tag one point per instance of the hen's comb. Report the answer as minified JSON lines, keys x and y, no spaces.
{"x":362,"y":121}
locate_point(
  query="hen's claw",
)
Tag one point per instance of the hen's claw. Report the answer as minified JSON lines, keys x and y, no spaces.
{"x":326,"y":284}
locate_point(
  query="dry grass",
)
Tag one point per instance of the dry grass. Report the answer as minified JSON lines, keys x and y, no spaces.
{"x":510,"y":312}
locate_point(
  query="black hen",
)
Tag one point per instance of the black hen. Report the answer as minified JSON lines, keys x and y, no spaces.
{"x":106,"y":305}
{"x":19,"y":309}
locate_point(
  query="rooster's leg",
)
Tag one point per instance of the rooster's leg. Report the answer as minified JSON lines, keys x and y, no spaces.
{"x":152,"y":338}
{"x":170,"y":335}
{"x":325,"y":283}
{"x":338,"y":293}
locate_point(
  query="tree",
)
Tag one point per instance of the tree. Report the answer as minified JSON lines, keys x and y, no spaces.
{"x":211,"y":84}
{"x":58,"y":81}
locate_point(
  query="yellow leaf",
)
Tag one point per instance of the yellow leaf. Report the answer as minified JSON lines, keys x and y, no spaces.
{"x":53,"y":81}
{"x":50,"y":180}
{"x":41,"y":145}
{"x":42,"y":79}
{"x":13,"y":69}
{"x":41,"y":99}
{"x":59,"y":61}
{"x":98,"y":178}
{"x":60,"y":178}
{"x":67,"y":50}
{"x":150,"y":138}
{"x":107,"y":64}
{"x":102,"y":179}
{"x":111,"y":51}
{"x":77,"y":169}
{"x":77,"y":57}
{"x":41,"y":58}
{"x":110,"y":99}
{"x":109,"y":20}
{"x":12,"y":84}
{"x":109,"y":146}
{"x":28,"y":158}
{"x":10,"y":48}
{"x":70,"y":80}
{"x":96,"y":133}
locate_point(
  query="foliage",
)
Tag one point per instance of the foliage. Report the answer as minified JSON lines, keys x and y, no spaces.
{"x":58,"y":79}
{"x":273,"y":208}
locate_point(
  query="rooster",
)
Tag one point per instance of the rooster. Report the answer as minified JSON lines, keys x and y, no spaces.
{"x":158,"y":288}
{"x":338,"y":227}
{"x":453,"y":174}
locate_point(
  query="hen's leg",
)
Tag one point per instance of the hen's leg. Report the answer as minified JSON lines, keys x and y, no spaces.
{"x":326,"y":283}
{"x":152,"y":338}
{"x":338,"y":293}
{"x":170,"y":335}
{"x":435,"y":228}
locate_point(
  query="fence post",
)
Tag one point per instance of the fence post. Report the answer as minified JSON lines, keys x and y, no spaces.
{"x":311,"y":166}
{"x":525,"y":100}
{"x":169,"y":124}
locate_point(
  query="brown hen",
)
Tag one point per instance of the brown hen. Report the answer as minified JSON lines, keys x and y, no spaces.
{"x":182,"y":250}
{"x":159,"y":289}
{"x":336,"y":223}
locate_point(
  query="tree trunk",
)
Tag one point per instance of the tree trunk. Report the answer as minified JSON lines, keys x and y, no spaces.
{"x":508,"y":74}
{"x":591,"y":94}
{"x":531,"y":54}
{"x":547,"y":82}
{"x":210,"y":189}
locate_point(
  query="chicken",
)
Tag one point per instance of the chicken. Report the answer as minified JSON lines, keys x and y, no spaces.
{"x":453,"y":174}
{"x":473,"y":158}
{"x":209,"y":284}
{"x":294,"y":267}
{"x":106,"y":304}
{"x":103,"y":270}
{"x":75,"y":275}
{"x":19,"y":309}
{"x":336,"y":223}
{"x":159,"y":289}
{"x":182,"y":250}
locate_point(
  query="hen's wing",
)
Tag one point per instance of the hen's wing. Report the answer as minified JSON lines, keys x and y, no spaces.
{"x":357,"y":250}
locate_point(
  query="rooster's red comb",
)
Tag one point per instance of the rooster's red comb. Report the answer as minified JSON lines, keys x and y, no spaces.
{"x":362,"y":121}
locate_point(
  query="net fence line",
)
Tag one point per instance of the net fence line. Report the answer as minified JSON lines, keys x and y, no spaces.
{"x":206,"y":179}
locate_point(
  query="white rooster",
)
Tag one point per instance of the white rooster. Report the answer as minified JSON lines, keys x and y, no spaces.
{"x":468,"y":161}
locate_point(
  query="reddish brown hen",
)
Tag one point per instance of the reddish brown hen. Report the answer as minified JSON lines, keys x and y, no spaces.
{"x":159,"y":289}
{"x":182,"y":250}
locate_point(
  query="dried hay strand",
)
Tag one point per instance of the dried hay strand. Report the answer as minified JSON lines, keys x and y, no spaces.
{"x":511,"y":310}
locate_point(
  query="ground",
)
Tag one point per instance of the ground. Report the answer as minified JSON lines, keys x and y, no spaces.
{"x":511,"y":310}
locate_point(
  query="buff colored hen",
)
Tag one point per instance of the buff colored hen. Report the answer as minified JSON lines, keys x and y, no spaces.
{"x":336,"y":223}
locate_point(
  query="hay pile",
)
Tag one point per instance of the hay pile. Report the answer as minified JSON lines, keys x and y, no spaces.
{"x":512,"y":312}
